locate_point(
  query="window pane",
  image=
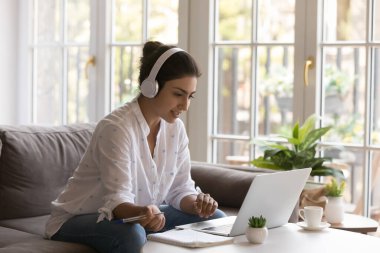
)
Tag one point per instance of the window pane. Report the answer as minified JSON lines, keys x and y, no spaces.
{"x":344,"y":93}
{"x":127,"y":18}
{"x":376,"y":20}
{"x":375,"y":187}
{"x":276,"y":20}
{"x":78,"y":25}
{"x":344,"y":20}
{"x":350,"y":161}
{"x":49,"y":86}
{"x":275,"y":88}
{"x":376,"y":98}
{"x":234,"y":20}
{"x":232,"y":152}
{"x":49,"y":20}
{"x":126,"y":61}
{"x":163,"y":21}
{"x":233,"y":90}
{"x":78,"y":86}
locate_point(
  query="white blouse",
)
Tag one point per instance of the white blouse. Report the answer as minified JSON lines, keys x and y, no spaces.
{"x":117,"y":167}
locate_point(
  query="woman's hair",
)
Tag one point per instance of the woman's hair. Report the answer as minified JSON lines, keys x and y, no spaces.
{"x":180,"y":64}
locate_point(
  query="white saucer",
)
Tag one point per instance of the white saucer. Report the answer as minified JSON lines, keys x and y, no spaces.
{"x":323,"y":225}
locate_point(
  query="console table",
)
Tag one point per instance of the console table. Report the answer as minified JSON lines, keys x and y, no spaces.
{"x":288,"y":238}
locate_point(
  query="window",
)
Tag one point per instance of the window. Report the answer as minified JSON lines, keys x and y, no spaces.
{"x":253,"y":45}
{"x":252,"y":54}
{"x":68,"y":38}
{"x":257,"y":52}
{"x":349,"y":60}
{"x":59,"y":49}
{"x":157,"y":20}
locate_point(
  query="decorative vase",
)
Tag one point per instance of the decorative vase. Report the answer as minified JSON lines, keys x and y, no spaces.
{"x":256,"y":235}
{"x":334,"y":210}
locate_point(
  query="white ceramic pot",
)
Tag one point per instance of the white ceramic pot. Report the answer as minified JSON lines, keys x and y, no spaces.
{"x":256,"y":235}
{"x":334,"y":210}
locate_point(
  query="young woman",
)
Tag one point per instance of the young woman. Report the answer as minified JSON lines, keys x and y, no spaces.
{"x":137,"y":163}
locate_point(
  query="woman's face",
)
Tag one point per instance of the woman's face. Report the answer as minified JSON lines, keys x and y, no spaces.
{"x":174,"y":98}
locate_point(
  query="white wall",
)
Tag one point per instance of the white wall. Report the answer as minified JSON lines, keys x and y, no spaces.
{"x":8,"y":60}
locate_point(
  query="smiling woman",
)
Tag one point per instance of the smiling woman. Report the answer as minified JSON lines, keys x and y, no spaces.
{"x":137,"y":160}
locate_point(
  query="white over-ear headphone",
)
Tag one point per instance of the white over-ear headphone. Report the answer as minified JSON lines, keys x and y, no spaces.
{"x":149,"y":87}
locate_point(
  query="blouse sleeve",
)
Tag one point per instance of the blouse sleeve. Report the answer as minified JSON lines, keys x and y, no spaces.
{"x":183,"y":185}
{"x":112,"y":151}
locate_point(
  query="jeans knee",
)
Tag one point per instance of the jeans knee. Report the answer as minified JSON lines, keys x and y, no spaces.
{"x":133,"y":241}
{"x":218,"y":214}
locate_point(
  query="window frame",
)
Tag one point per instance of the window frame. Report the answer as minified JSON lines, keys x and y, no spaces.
{"x":196,"y":38}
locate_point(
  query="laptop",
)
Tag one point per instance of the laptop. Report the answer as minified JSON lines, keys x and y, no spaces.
{"x":272,"y":195}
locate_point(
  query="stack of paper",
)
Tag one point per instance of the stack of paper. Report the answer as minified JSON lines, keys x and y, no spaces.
{"x":189,"y":238}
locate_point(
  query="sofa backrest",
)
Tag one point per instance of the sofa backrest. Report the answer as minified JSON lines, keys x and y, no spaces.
{"x":35,"y":164}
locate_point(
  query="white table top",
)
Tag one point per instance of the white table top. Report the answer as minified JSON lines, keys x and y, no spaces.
{"x":288,"y":238}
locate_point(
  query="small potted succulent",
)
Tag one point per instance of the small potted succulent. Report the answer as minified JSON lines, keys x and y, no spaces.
{"x":256,"y":232}
{"x":334,"y":209}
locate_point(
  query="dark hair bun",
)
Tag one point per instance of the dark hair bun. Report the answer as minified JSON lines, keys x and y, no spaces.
{"x":150,"y":47}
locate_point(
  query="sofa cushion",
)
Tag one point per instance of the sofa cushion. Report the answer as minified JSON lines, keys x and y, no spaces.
{"x":35,"y":163}
{"x":40,"y":245}
{"x":228,"y":186}
{"x":9,"y":236}
{"x":33,"y":225}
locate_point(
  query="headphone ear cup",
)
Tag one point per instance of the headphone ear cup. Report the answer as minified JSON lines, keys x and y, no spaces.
{"x":149,"y":88}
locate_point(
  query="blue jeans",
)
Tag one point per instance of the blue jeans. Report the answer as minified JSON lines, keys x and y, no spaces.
{"x":109,"y":237}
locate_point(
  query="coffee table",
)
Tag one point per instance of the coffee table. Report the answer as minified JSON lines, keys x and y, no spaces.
{"x":288,"y":238}
{"x":357,"y":223}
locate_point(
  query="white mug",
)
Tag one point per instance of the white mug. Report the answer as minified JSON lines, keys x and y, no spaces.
{"x":312,"y":215}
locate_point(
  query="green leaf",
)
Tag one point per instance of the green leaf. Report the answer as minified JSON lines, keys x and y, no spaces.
{"x":261,"y":163}
{"x":294,"y":141}
{"x":308,"y":153}
{"x":267,"y":144}
{"x":326,"y":171}
{"x":335,"y":189}
{"x":307,"y":127}
{"x":301,"y":155}
{"x":270,"y":152}
{"x":283,"y":160}
{"x":317,"y":162}
{"x":277,"y":146}
{"x":313,"y":136}
{"x":295,"y":131}
{"x":256,"y":222}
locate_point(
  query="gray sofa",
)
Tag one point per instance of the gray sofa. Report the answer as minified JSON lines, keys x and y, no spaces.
{"x":35,"y":163}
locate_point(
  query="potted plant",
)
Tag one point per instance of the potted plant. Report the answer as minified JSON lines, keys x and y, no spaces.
{"x":299,"y":151}
{"x":256,"y":231}
{"x":334,"y":209}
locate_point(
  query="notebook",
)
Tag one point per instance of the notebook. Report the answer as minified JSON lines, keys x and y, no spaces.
{"x":189,"y":238}
{"x":272,"y":195}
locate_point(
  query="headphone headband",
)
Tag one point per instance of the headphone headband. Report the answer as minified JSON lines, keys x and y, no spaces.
{"x":149,"y":87}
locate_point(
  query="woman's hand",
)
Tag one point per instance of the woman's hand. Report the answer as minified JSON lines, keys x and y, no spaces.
{"x":153,"y":221}
{"x":204,"y":205}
